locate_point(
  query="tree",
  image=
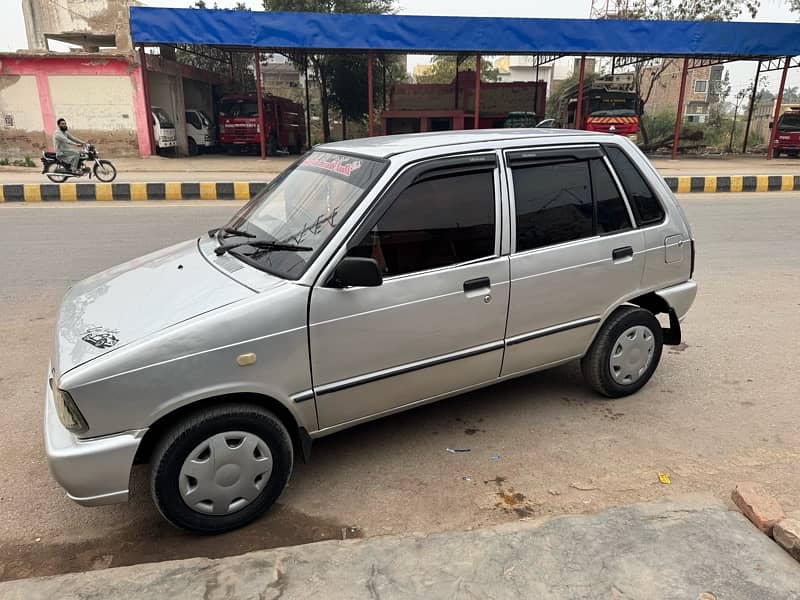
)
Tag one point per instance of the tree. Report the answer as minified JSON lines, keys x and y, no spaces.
{"x":718,"y":97}
{"x":348,"y":79}
{"x":323,"y":65}
{"x":443,"y":69}
{"x":239,"y":65}
{"x":647,"y":74}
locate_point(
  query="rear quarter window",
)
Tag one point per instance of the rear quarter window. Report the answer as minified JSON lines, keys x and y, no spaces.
{"x":645,"y":204}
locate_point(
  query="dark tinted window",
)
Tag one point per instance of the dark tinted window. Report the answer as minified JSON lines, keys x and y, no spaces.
{"x":553,"y":204}
{"x":612,"y":215}
{"x":193,"y":119}
{"x":646,"y":207}
{"x":437,"y":222}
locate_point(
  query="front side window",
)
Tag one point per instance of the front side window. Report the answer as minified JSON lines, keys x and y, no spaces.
{"x":163,"y":118}
{"x":303,"y":207}
{"x":646,"y":206}
{"x":440,"y":220}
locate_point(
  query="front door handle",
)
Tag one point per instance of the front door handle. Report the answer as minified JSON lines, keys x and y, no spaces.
{"x":624,"y":252}
{"x":481,"y":283}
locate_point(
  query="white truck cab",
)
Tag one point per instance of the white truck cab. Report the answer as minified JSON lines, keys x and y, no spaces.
{"x":163,"y":129}
{"x":201,"y":132}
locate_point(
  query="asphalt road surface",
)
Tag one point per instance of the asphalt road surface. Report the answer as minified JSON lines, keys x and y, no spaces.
{"x":721,"y":408}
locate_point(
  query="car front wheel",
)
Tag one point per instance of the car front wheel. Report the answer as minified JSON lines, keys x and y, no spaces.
{"x":625,"y":352}
{"x":221,"y":468}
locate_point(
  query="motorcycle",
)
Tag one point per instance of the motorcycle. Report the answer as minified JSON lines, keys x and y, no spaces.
{"x":58,"y":171}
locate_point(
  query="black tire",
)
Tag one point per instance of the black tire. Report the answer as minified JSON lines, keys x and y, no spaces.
{"x":776,"y":153}
{"x":176,"y":445}
{"x":295,"y":149}
{"x":105,"y":171}
{"x":51,"y":169}
{"x":596,"y":365}
{"x":192,"y":147}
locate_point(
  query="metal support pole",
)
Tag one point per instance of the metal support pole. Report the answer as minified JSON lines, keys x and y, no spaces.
{"x":371,"y":92}
{"x":477,"y":121}
{"x":262,"y":134}
{"x":774,"y":131}
{"x":536,"y":91}
{"x":383,"y":73}
{"x":752,"y":106}
{"x":147,"y":105}
{"x":308,"y":108}
{"x":458,"y":62}
{"x":679,"y":116}
{"x":579,"y":107}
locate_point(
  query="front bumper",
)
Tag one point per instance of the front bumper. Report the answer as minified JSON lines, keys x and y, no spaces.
{"x":93,"y":471}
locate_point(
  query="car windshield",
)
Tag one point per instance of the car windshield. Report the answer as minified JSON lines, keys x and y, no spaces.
{"x":239,"y":108}
{"x":789,"y":121}
{"x":163,"y":118}
{"x":303,"y":207}
{"x":612,"y":106}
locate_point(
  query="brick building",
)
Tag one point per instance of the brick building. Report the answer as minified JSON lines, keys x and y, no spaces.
{"x":702,"y":85}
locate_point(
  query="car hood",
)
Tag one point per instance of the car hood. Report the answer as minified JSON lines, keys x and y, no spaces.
{"x":136,"y":299}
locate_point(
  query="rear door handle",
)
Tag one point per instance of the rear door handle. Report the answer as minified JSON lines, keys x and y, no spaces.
{"x":624,"y":252}
{"x":481,"y":283}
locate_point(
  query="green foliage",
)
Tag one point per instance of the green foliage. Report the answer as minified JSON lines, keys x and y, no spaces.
{"x":219,"y":61}
{"x":348,"y":82}
{"x":28,"y":162}
{"x":660,"y":125}
{"x":692,"y":10}
{"x":444,"y":69}
{"x":328,"y":69}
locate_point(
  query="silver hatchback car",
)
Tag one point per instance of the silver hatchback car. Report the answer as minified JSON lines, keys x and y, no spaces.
{"x":371,"y":277}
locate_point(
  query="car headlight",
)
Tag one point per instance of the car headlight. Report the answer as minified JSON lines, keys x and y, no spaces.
{"x":67,"y":410}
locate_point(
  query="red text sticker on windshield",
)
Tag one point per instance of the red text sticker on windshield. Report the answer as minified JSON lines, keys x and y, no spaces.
{"x":341,"y":165}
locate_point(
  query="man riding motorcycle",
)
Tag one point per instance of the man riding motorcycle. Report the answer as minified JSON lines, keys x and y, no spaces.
{"x":65,"y":146}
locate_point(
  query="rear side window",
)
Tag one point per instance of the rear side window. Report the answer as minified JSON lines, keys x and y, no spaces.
{"x":612,"y":215}
{"x":439,"y":221}
{"x":553,"y":204}
{"x":645,"y":204}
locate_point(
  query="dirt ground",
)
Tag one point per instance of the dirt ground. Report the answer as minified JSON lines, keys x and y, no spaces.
{"x":721,"y":408}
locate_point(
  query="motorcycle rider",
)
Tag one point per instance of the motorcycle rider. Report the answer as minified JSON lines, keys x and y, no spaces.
{"x":65,"y":146}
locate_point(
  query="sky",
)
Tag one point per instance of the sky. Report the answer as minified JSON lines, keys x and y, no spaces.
{"x":12,"y":25}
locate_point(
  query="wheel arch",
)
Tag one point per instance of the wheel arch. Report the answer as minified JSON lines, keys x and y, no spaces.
{"x":301,"y":440}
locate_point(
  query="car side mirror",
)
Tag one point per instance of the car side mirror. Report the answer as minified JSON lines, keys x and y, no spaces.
{"x":357,"y":272}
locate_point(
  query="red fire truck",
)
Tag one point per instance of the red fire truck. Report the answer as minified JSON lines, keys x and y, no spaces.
{"x":787,"y":138}
{"x":604,"y":109}
{"x":283,"y":124}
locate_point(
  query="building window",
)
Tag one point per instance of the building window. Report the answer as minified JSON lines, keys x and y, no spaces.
{"x":8,"y":120}
{"x":700,"y":86}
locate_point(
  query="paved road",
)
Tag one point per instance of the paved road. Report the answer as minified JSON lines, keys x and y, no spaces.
{"x":720,"y":409}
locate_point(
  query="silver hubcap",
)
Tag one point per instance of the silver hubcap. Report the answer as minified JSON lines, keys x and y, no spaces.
{"x":631,"y":354}
{"x":225,"y":473}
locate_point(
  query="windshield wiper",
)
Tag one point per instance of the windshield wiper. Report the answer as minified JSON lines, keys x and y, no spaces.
{"x":230,"y":232}
{"x":262,"y":245}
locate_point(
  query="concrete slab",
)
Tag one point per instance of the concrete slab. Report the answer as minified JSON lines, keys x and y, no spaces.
{"x":689,"y":548}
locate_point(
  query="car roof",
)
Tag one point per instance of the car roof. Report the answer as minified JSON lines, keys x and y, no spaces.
{"x":391,"y":145}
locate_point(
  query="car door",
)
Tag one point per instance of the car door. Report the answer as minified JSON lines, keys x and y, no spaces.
{"x":575,"y":253}
{"x":436,"y":323}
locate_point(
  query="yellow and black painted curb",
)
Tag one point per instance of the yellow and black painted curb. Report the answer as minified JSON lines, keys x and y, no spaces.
{"x":100,"y":192}
{"x":244,"y":190}
{"x":734,"y":183}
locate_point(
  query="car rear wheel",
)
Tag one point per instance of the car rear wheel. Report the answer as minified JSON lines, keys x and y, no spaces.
{"x":221,"y":468}
{"x":52,"y":170}
{"x":625,"y":353}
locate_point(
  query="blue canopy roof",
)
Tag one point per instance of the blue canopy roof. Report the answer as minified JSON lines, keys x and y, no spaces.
{"x":491,"y":35}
